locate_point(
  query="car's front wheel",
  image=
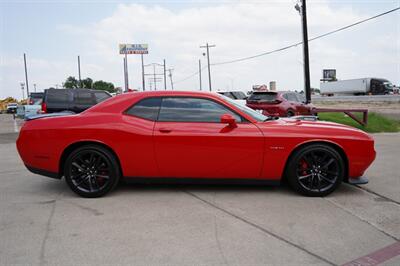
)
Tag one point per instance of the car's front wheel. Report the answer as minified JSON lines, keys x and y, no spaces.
{"x":91,"y":171}
{"x":315,"y":170}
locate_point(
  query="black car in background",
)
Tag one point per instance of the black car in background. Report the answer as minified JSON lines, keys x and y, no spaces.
{"x":73,"y":100}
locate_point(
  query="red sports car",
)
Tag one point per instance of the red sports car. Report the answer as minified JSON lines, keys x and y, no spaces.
{"x":282,"y":103}
{"x":181,"y":136}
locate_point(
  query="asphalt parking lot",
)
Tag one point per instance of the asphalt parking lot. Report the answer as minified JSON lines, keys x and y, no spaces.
{"x":43,"y":223}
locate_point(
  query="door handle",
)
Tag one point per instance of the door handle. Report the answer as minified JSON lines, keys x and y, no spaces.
{"x":165,"y":130}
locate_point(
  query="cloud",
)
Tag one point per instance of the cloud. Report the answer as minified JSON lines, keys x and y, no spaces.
{"x":238,"y":29}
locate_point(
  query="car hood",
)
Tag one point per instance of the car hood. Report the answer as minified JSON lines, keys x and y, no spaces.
{"x":312,"y":128}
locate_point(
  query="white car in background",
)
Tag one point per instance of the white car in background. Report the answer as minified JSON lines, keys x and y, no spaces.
{"x":239,"y":96}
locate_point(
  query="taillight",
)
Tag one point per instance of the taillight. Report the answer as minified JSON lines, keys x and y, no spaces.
{"x":44,"y":107}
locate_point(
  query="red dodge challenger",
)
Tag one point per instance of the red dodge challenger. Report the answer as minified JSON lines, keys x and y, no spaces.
{"x":181,"y":136}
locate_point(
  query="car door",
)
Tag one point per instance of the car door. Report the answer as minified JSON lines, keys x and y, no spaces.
{"x":294,"y":104}
{"x":302,"y":107}
{"x":190,"y":141}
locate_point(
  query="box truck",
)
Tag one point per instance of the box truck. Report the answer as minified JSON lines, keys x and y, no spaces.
{"x":362,"y":86}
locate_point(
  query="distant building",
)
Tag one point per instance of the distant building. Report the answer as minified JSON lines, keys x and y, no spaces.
{"x":260,"y":87}
{"x":272,"y":85}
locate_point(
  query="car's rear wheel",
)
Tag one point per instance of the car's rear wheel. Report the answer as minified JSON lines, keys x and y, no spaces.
{"x":289,"y":113}
{"x":91,"y":171}
{"x":315,"y":170}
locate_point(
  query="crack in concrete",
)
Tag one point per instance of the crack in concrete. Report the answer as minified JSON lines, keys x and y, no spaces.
{"x":216,"y":234}
{"x":360,"y":218}
{"x":266,"y":231}
{"x":377,"y":194}
{"x":46,"y":235}
{"x":47,"y":232}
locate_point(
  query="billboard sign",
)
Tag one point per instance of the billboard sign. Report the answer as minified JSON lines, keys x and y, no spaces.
{"x":127,"y":48}
{"x":329,"y":74}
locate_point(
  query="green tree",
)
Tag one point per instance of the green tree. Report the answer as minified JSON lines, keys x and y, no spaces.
{"x":87,"y":83}
{"x":103,"y":85}
{"x":71,"y":83}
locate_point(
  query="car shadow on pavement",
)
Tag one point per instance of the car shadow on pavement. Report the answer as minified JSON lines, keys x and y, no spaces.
{"x":50,"y":188}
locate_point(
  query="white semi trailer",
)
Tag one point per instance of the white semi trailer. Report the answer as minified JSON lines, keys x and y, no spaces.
{"x":363,"y":86}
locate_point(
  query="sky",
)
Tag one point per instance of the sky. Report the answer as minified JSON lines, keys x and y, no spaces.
{"x":54,"y":33}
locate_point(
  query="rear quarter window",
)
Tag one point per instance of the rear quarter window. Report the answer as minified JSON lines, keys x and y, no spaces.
{"x":57,"y":96}
{"x":146,"y":109}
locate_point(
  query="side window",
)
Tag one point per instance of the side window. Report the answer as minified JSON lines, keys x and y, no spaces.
{"x":101,"y":96}
{"x":83,"y":97}
{"x":185,"y":109}
{"x":60,"y":96}
{"x":300,"y":98}
{"x":147,"y":108}
{"x":285,"y":96}
{"x":292,"y":97}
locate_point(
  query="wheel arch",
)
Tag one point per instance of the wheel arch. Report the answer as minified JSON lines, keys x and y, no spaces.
{"x":73,"y":146}
{"x":331,"y":144}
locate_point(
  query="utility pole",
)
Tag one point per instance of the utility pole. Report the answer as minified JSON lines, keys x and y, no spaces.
{"x":307,"y":85}
{"x":170,"y":77}
{"x":200,"y":73}
{"x":79,"y":71}
{"x":143,"y":83}
{"x":165,"y":77}
{"x":26,"y":77}
{"x":154,"y":79}
{"x":208,"y":62}
{"x":154,"y":73}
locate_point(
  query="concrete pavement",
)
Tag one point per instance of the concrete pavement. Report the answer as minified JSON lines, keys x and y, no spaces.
{"x":43,"y":223}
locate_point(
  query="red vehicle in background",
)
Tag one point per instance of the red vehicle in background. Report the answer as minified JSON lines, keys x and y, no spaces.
{"x":282,"y":103}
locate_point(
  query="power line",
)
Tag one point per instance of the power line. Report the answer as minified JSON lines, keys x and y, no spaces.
{"x":294,"y":44}
{"x":192,"y":75}
{"x":312,"y":39}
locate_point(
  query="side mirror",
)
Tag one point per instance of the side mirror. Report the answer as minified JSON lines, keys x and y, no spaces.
{"x":228,"y":119}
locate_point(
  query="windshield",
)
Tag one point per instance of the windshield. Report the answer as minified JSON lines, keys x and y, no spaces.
{"x":388,"y":85}
{"x":239,"y":95}
{"x":263,"y":96}
{"x":254,"y":114}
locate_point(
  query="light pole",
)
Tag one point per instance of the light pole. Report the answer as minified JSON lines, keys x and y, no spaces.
{"x":26,"y":77}
{"x":165,"y":77}
{"x":79,"y":71}
{"x":34,"y":86}
{"x":207,"y":46}
{"x":200,"y":73}
{"x":23,"y":90}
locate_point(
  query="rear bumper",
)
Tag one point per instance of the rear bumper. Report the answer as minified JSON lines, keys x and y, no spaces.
{"x":43,"y":172}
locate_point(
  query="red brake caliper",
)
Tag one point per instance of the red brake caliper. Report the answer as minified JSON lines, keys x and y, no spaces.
{"x":303,"y":167}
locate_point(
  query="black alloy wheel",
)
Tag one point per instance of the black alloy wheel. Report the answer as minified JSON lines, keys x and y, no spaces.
{"x":315,"y":170}
{"x":91,"y":171}
{"x":290,"y":113}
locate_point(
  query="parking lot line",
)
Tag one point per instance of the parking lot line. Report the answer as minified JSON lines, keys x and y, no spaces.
{"x":377,"y":257}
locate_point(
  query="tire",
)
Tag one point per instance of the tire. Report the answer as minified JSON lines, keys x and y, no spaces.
{"x":91,"y":171}
{"x":289,"y":113}
{"x":315,"y":170}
